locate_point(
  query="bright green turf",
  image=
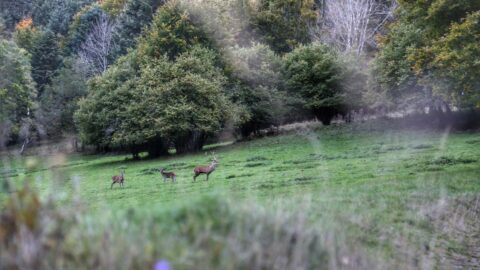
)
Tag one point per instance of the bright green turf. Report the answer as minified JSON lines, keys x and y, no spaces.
{"x":277,"y":167}
{"x":373,"y":183}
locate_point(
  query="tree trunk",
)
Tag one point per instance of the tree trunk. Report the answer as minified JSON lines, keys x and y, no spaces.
{"x":157,"y":148}
{"x":325,"y":115}
{"x":189,"y":144}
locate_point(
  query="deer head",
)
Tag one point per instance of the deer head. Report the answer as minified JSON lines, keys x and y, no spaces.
{"x":214,"y":161}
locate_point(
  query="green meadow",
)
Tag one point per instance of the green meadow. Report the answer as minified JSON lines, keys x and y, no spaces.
{"x":386,"y":195}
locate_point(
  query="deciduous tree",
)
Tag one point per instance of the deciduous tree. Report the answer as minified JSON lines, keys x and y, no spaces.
{"x":96,"y":49}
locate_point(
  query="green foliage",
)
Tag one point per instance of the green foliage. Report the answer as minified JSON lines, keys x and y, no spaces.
{"x":135,"y":17}
{"x":282,"y":24}
{"x":189,"y":98}
{"x":392,"y":69}
{"x":113,"y":7}
{"x":59,"y":100}
{"x":81,"y":26}
{"x":171,"y":33}
{"x":452,"y":63}
{"x":97,"y":115}
{"x":314,"y":74}
{"x":257,"y":80}
{"x":13,"y":11}
{"x":56,"y":15}
{"x":17,"y":91}
{"x":431,"y":46}
{"x":26,"y":37}
{"x":46,"y":59}
{"x":44,"y":50}
{"x":3,"y":28}
{"x":354,"y":81}
{"x":179,"y":103}
{"x":186,"y":101}
{"x":436,"y":16}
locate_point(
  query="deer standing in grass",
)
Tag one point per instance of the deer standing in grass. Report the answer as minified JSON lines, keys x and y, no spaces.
{"x":118,"y":179}
{"x":167,"y":175}
{"x":205,"y":169}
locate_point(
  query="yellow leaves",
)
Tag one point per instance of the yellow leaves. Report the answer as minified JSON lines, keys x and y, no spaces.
{"x":26,"y":23}
{"x":308,"y":9}
{"x":382,"y":39}
{"x":112,"y":7}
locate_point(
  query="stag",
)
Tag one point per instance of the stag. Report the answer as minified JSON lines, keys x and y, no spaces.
{"x":167,"y":175}
{"x":118,"y":179}
{"x":205,"y":169}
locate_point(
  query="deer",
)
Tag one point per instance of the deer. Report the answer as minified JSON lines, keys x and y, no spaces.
{"x":167,"y":175}
{"x":118,"y":179}
{"x":205,"y":169}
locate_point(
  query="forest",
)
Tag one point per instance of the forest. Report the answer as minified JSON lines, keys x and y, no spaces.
{"x":134,"y":76}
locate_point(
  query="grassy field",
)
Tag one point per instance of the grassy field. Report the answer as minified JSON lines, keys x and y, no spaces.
{"x":387,"y":194}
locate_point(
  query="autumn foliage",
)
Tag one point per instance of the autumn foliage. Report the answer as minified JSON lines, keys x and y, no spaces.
{"x":24,"y":24}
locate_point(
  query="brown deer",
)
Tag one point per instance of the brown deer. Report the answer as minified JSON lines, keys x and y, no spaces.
{"x":206,"y":169}
{"x":118,"y":179}
{"x":167,"y":175}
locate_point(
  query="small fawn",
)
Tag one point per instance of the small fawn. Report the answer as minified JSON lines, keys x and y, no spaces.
{"x":205,"y":169}
{"x":167,"y":175}
{"x":118,"y":179}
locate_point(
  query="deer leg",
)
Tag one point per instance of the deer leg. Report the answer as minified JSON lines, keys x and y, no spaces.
{"x":207,"y":176}
{"x":112,"y":185}
{"x":174,"y":179}
{"x":195,"y":176}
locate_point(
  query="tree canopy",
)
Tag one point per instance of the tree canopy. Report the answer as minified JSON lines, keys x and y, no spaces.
{"x":314,"y":74}
{"x":432,"y":45}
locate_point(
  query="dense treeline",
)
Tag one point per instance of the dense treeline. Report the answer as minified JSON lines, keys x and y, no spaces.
{"x":150,"y":75}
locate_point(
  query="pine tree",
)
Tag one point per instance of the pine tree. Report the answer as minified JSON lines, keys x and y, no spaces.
{"x":46,"y":59}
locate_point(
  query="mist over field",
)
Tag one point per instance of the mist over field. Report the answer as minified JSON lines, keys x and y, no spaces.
{"x":239,"y":134}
